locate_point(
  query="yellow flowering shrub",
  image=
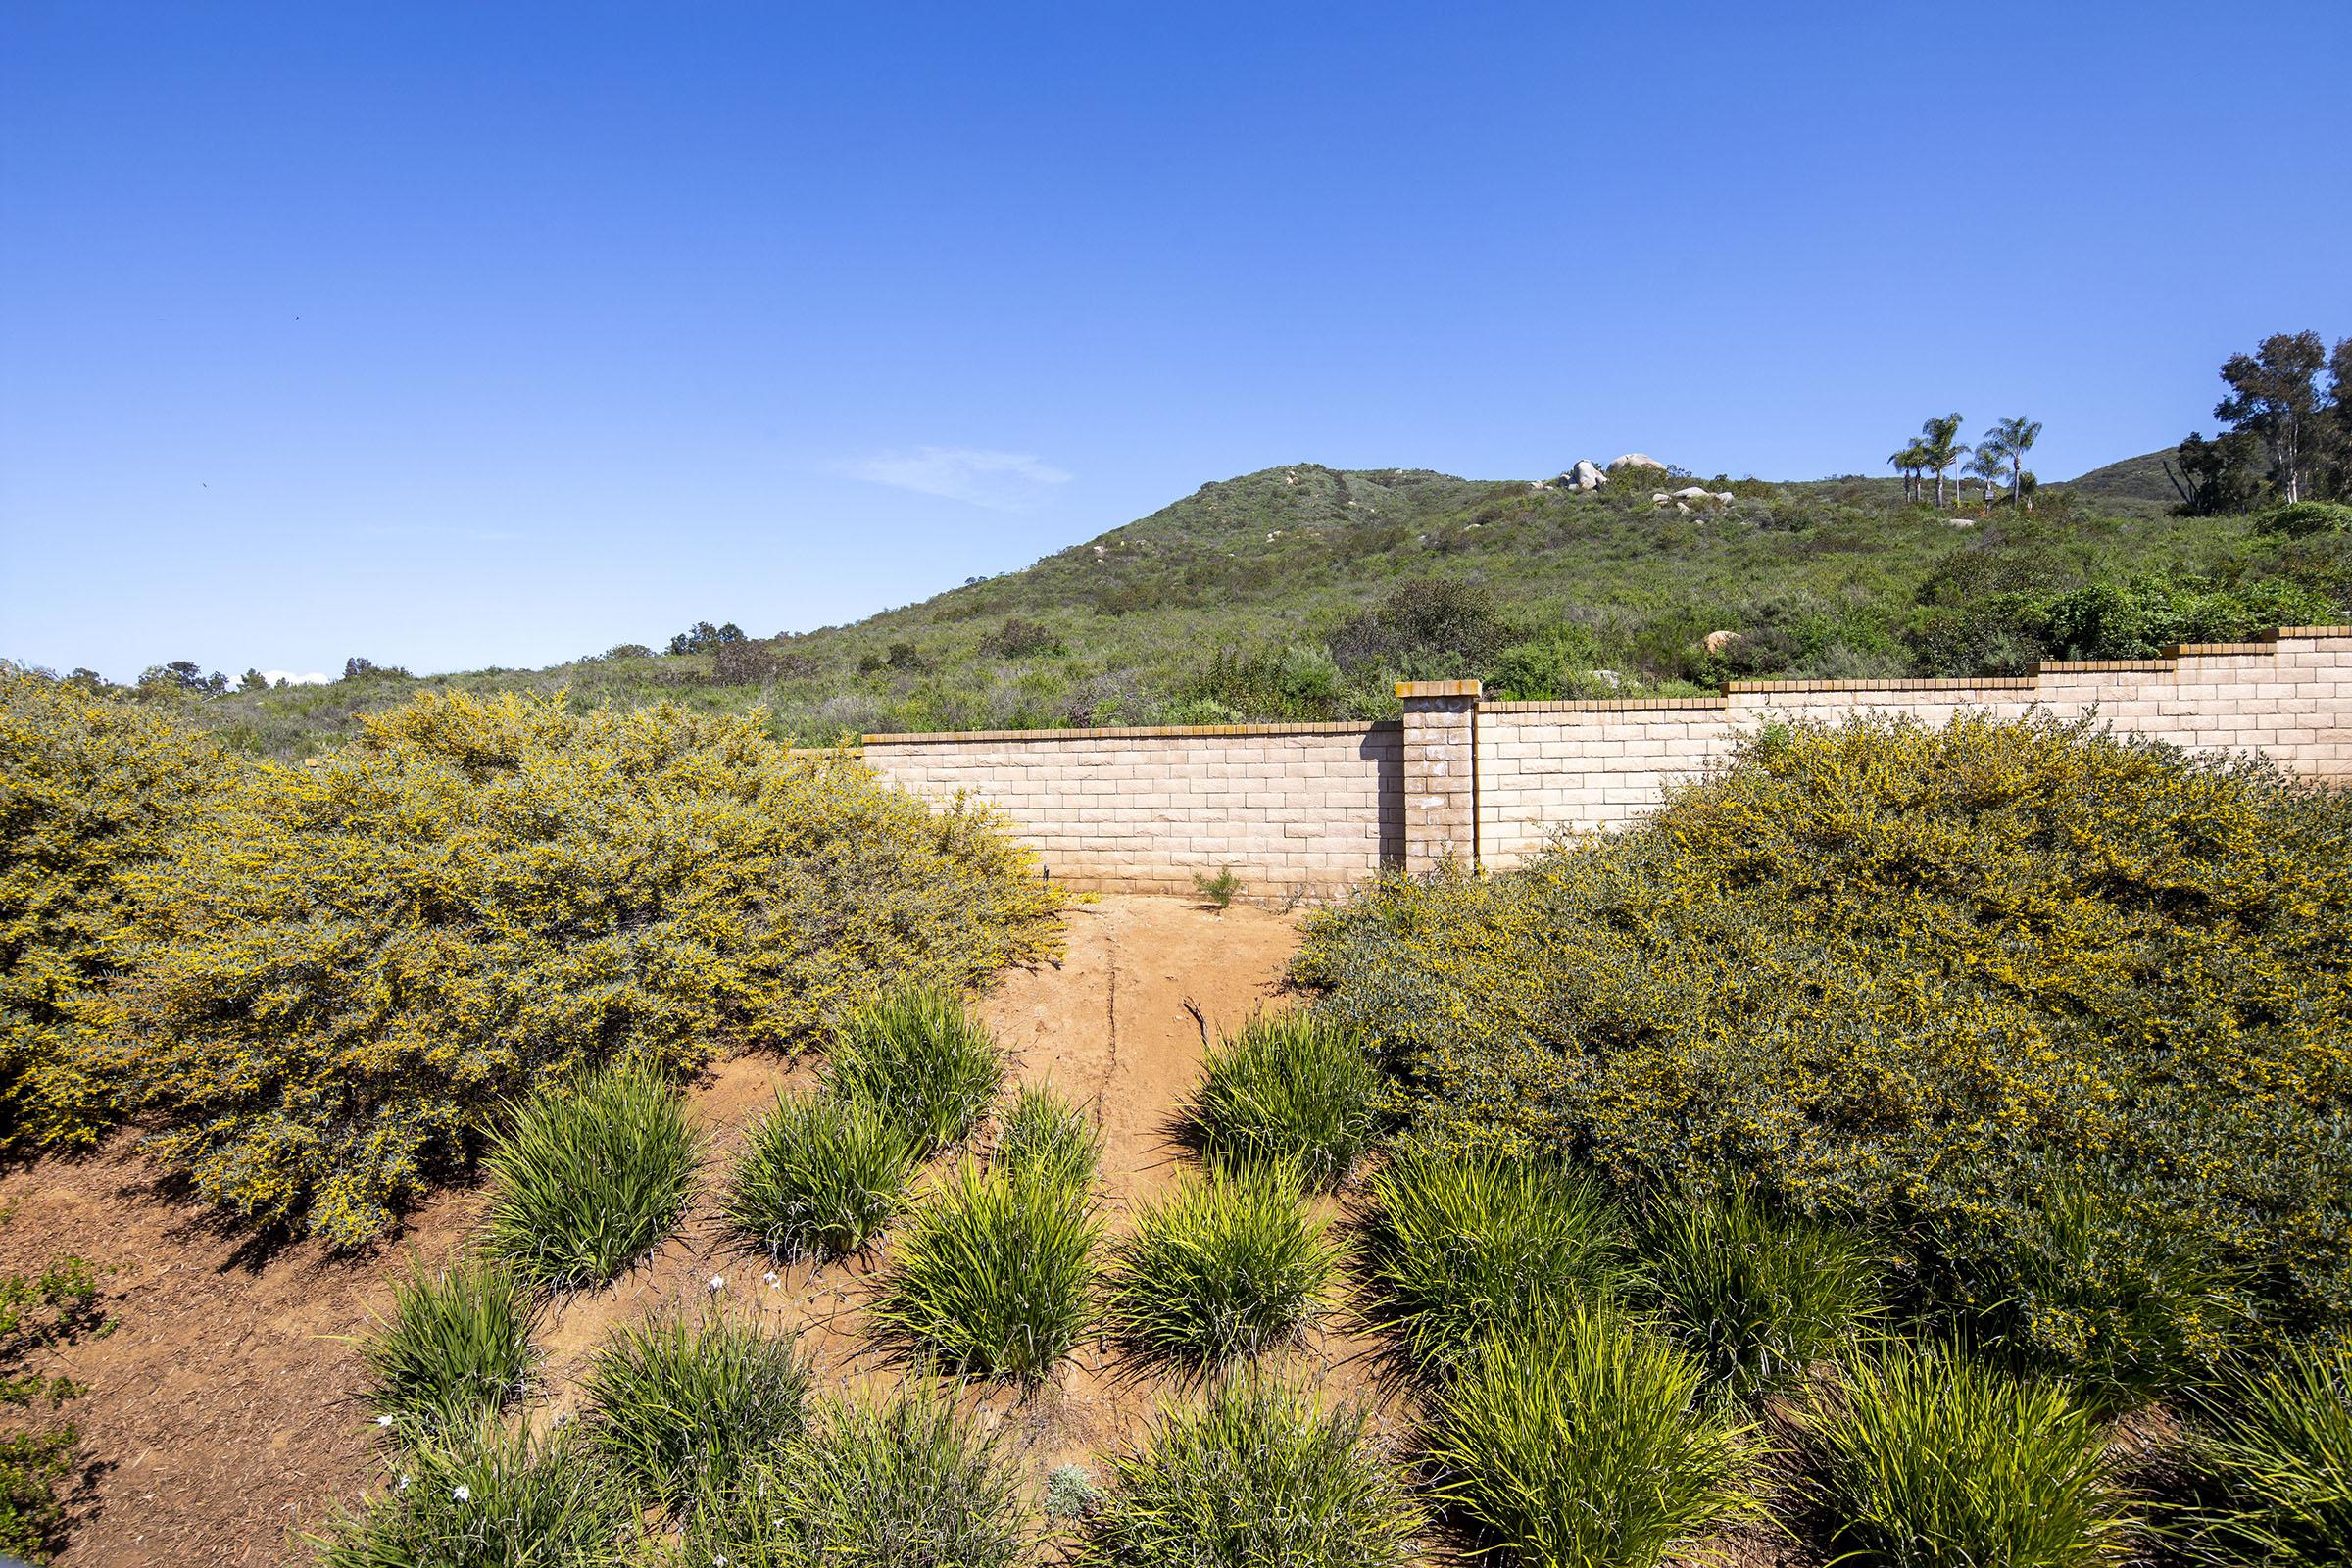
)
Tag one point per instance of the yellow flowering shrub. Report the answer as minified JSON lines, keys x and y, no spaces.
{"x":336,"y":984}
{"x":90,"y":786}
{"x":2064,"y":1015}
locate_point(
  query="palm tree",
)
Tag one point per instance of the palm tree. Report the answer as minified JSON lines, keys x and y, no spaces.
{"x":1940,"y":445}
{"x":2015,"y":438}
{"x":1988,"y":465}
{"x":1909,"y":463}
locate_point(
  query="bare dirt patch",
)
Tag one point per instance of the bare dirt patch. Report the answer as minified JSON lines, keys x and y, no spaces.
{"x":219,"y":1416}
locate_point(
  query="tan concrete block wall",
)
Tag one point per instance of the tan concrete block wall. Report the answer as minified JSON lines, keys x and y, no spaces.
{"x":1296,"y":811}
{"x":1308,"y":811}
{"x":1552,"y":768}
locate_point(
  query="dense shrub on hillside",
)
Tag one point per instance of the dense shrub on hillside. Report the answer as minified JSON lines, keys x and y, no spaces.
{"x":340,"y":980}
{"x":2068,"y":1012}
{"x":91,"y":786}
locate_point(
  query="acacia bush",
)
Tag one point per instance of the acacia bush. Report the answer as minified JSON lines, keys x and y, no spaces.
{"x":91,"y":787}
{"x":334,"y":984}
{"x":2065,"y":1014}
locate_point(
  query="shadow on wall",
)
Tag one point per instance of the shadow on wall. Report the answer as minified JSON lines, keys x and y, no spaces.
{"x":1385,"y":749}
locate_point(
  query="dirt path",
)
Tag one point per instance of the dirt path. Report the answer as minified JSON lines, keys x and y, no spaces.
{"x":219,"y":1415}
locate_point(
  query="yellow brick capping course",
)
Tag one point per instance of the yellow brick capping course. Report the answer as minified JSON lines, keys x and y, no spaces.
{"x":2144,"y":666}
{"x":1605,"y":704}
{"x":2001,"y":683}
{"x":943,"y":736}
{"x":1440,"y":688}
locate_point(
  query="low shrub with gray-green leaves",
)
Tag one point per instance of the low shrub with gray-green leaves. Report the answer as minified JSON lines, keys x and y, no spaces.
{"x":992,"y":1275}
{"x":1918,"y":981}
{"x":2276,"y":1445}
{"x":1757,"y":1298}
{"x":1579,"y":1441}
{"x":1925,"y":1458}
{"x":677,"y":1407}
{"x":1221,"y":1268}
{"x":917,"y":1054}
{"x":590,"y":1178}
{"x":1292,"y":1090}
{"x":819,"y":1177}
{"x":1461,"y":1245}
{"x":455,"y":1346}
{"x":914,"y":1483}
{"x":1255,"y":1475}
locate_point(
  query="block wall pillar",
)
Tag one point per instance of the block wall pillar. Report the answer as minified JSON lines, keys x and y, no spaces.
{"x":1441,"y":773}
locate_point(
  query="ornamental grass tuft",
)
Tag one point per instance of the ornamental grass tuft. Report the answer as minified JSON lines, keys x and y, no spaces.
{"x":1929,"y":1460}
{"x":1461,"y":1244}
{"x":911,"y":1484}
{"x":2278,"y":1443}
{"x":455,"y":1346}
{"x":490,"y":1496}
{"x":1293,"y":1089}
{"x":919,"y":1057}
{"x":591,"y":1180}
{"x":1255,"y":1475}
{"x":993,"y":1275}
{"x":680,"y":1408}
{"x":1579,"y":1441}
{"x":1757,"y":1298}
{"x":1045,"y":1135}
{"x":1220,"y":1269}
{"x":819,"y":1177}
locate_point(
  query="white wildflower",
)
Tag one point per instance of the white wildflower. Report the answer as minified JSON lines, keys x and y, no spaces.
{"x":718,"y":1282}
{"x":383,"y":1420}
{"x":461,"y":1491}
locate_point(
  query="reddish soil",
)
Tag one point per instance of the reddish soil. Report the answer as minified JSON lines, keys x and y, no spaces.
{"x":219,"y":1415}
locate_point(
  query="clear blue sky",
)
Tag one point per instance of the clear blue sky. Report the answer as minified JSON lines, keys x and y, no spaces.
{"x":490,"y":333}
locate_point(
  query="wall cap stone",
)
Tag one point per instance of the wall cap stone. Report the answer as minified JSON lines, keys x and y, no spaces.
{"x":1440,"y":688}
{"x":1989,"y":683}
{"x":1157,"y":732}
{"x":1605,"y":704}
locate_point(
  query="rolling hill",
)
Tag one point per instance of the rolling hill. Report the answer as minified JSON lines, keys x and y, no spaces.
{"x":2139,"y":478}
{"x":1304,"y":591}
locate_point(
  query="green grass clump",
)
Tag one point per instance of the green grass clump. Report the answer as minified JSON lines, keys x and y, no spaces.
{"x":1218,"y":1270}
{"x":590,"y":1181}
{"x":456,"y":1347}
{"x":489,"y":1497}
{"x":676,"y":1407}
{"x":1932,"y":1459}
{"x":994,"y":1274}
{"x":819,"y":1177}
{"x":1291,"y":1089}
{"x":1254,"y":1476}
{"x":1755,"y":1296}
{"x":913,"y":1483}
{"x":917,"y":1054}
{"x":2278,"y":1443}
{"x":1045,"y":1135}
{"x":1463,"y":1244}
{"x":1579,"y":1441}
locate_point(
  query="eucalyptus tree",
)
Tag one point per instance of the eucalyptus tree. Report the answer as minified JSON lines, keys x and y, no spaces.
{"x":2013,"y":438}
{"x":2275,"y":393}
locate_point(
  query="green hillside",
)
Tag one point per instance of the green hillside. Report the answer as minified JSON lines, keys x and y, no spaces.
{"x":1305,"y":592}
{"x":2140,"y":478}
